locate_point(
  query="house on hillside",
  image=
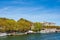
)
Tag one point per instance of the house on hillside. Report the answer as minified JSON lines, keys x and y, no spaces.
{"x":32,"y":27}
{"x":48,"y":24}
{"x":2,"y":28}
{"x":49,"y":30}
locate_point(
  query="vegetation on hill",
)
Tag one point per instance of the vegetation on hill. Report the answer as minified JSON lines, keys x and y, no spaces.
{"x":22,"y":25}
{"x":37,"y":26}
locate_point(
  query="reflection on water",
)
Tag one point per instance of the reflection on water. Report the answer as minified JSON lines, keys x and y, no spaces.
{"x":50,"y":36}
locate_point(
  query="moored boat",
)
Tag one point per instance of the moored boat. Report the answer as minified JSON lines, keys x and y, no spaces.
{"x":3,"y":34}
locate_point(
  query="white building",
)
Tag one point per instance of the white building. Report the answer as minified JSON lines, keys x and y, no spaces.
{"x":48,"y":24}
{"x":48,"y":30}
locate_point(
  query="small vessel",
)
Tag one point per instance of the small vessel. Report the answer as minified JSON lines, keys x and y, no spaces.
{"x":3,"y":34}
{"x":28,"y":32}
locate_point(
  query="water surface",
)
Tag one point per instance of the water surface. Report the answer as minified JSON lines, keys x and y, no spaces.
{"x":49,"y":36}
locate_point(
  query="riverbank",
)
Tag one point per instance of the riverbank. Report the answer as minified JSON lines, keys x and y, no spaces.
{"x":30,"y":32}
{"x":40,"y":36}
{"x":18,"y":34}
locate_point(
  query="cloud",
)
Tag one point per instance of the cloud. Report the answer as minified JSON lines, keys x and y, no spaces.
{"x":31,"y":13}
{"x":18,"y":2}
{"x":34,"y":10}
{"x":25,"y":12}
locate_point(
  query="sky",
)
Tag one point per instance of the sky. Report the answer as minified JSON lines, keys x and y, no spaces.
{"x":33,"y":10}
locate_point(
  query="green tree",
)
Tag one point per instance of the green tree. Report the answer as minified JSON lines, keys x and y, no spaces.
{"x":24,"y":25}
{"x":7,"y":24}
{"x":37,"y":26}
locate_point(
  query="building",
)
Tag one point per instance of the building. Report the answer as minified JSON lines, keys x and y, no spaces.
{"x":48,"y":24}
{"x":50,"y":30}
{"x":32,"y":27}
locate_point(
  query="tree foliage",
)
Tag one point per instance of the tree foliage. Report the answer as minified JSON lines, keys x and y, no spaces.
{"x":24,"y":25}
{"x":7,"y":24}
{"x":37,"y":26}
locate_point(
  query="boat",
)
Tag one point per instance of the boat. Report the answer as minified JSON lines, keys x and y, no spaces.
{"x":3,"y":34}
{"x":31,"y":32}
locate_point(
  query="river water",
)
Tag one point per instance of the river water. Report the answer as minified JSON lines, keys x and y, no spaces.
{"x":48,"y":36}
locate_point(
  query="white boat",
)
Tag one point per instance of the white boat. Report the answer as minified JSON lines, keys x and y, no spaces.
{"x":30,"y":31}
{"x":3,"y":34}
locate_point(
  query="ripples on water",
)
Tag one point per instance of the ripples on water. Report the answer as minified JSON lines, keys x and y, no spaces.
{"x":50,"y":36}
